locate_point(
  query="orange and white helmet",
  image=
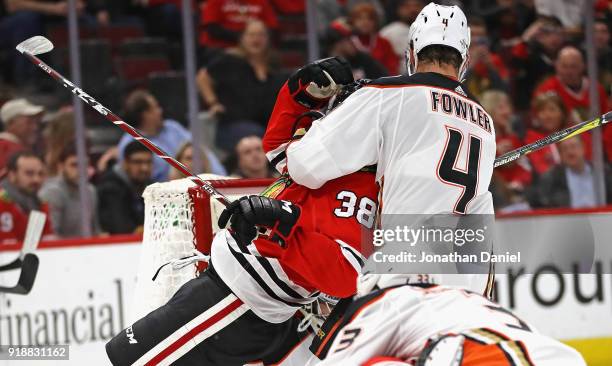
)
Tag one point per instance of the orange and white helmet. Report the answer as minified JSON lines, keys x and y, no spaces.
{"x":439,"y":25}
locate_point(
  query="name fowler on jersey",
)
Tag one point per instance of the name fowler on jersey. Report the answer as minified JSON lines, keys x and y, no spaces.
{"x":460,"y":107}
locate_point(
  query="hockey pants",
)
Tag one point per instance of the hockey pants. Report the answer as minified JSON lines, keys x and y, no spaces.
{"x":204,"y":323}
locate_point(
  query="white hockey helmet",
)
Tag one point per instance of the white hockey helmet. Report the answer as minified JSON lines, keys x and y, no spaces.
{"x":439,"y":25}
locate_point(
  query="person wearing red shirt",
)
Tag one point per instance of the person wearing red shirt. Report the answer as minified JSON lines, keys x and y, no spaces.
{"x":509,"y":181}
{"x":18,"y":196}
{"x":572,"y":87}
{"x":517,"y":174}
{"x":224,"y":20}
{"x":364,"y":21}
{"x":549,"y":115}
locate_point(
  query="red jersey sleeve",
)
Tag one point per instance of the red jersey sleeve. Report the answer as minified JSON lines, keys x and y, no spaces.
{"x":282,"y":126}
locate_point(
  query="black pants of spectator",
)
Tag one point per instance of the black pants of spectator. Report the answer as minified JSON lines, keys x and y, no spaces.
{"x":204,"y":323}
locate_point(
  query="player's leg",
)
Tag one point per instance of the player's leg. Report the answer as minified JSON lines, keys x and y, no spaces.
{"x":203,"y":323}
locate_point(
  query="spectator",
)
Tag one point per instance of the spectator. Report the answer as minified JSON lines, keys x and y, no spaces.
{"x":240,"y":86}
{"x":340,"y":44}
{"x":570,"y":13}
{"x":571,"y":183}
{"x":329,"y":11}
{"x":121,"y":207}
{"x":572,"y":86}
{"x":20,"y":119}
{"x":549,"y":116}
{"x":506,"y":19}
{"x":19,"y":195}
{"x":223,"y":22}
{"x":142,"y":108}
{"x":397,"y":32}
{"x":486,"y":69}
{"x":604,"y":53}
{"x":58,"y":130}
{"x":364,"y":22}
{"x":512,"y":178}
{"x":534,"y":57}
{"x":62,"y":195}
{"x":185,"y":156}
{"x":251,"y":161}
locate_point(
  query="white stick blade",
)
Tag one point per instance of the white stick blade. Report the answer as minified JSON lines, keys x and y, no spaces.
{"x":35,"y":45}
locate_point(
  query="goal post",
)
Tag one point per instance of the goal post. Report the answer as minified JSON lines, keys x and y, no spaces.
{"x":179,"y":217}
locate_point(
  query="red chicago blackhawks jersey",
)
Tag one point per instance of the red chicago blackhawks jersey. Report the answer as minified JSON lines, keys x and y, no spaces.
{"x":324,"y":253}
{"x":13,"y":220}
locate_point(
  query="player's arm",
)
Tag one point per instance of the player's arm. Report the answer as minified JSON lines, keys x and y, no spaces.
{"x":344,"y":141}
{"x":332,"y":265}
{"x":308,"y":89}
{"x":371,"y":334}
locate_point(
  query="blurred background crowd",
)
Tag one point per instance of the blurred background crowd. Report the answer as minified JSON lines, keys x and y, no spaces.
{"x":528,"y":69}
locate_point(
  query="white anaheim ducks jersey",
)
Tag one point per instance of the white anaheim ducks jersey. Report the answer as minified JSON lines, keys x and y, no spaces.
{"x":433,"y":144}
{"x":398,"y":322}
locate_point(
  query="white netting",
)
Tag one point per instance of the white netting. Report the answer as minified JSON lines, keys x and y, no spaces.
{"x":168,"y":235}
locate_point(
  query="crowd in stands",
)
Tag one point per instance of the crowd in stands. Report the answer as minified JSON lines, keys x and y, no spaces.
{"x":527,"y":67}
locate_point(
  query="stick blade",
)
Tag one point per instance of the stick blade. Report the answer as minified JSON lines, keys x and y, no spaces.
{"x":27,"y":277}
{"x":35,"y":45}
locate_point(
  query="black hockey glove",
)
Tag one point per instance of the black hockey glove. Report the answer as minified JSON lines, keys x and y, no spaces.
{"x":315,"y":83}
{"x":250,"y":211}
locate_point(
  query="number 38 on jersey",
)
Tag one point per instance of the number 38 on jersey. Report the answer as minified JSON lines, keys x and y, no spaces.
{"x":362,"y":208}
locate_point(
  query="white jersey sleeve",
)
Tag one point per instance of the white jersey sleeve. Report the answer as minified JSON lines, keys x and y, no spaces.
{"x":344,"y":141}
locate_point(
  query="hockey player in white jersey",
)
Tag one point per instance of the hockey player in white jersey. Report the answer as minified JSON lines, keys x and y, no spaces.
{"x":434,"y":145}
{"x":393,"y":323}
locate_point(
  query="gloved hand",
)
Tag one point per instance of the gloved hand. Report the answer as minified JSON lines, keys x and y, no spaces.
{"x":315,"y":83}
{"x":250,"y":212}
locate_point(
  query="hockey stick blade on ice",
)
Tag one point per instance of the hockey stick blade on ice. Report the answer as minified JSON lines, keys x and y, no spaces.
{"x":553,"y":138}
{"x":39,"y":44}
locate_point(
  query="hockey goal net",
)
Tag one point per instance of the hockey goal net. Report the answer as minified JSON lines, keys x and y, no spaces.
{"x":179,"y":216}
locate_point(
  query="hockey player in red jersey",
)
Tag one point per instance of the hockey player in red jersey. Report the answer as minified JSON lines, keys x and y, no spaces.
{"x":248,"y":296}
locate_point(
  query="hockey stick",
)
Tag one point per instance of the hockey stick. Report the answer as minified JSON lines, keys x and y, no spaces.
{"x":553,"y":138}
{"x":27,"y":260}
{"x":39,"y":44}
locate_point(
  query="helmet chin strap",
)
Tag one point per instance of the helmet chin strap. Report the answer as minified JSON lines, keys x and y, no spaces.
{"x":411,"y":69}
{"x":463,"y":68}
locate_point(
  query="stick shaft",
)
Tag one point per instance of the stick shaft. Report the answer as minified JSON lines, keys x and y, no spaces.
{"x":110,"y":116}
{"x":552,"y":138}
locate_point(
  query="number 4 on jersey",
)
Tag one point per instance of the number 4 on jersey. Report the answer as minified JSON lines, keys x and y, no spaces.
{"x":450,"y":174}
